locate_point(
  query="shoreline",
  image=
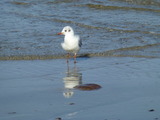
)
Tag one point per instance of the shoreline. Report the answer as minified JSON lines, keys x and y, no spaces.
{"x":121,"y":52}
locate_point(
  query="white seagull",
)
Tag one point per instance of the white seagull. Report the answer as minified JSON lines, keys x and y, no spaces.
{"x":72,"y":42}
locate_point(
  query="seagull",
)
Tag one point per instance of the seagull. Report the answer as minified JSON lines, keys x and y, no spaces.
{"x":72,"y":42}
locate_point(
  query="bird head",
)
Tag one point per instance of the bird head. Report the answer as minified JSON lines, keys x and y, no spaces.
{"x":67,"y":31}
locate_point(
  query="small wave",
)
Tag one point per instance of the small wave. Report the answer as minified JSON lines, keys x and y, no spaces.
{"x":141,"y":2}
{"x":103,"y":7}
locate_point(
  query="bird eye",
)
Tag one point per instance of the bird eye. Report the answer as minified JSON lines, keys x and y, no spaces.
{"x":69,"y":30}
{"x":65,"y":30}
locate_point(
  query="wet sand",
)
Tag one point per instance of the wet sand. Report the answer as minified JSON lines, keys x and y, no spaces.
{"x":44,"y":89}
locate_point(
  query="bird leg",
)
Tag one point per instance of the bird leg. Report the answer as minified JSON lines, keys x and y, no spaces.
{"x":75,"y":55}
{"x":68,"y":57}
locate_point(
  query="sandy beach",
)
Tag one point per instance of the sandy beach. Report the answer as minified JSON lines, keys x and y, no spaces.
{"x":43,"y":89}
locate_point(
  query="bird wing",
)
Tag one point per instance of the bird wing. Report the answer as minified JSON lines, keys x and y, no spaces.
{"x":80,"y":42}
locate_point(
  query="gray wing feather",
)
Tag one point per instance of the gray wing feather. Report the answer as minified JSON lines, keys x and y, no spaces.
{"x":80,"y":42}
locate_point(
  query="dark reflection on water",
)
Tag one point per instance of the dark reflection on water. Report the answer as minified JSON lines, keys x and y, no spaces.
{"x":29,"y":27}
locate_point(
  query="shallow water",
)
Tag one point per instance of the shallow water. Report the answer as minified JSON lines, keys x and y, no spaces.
{"x":106,"y":27}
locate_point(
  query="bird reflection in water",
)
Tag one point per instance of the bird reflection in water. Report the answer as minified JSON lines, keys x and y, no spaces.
{"x":73,"y":78}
